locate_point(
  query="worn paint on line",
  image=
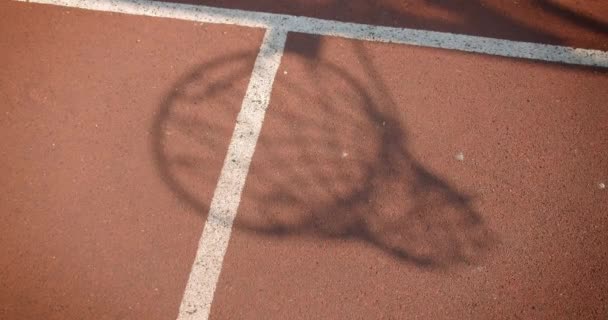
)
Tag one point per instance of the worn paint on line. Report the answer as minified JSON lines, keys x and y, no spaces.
{"x":198,"y":296}
{"x":424,"y":38}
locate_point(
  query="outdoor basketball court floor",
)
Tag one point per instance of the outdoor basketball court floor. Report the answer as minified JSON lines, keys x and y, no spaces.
{"x":165,"y":161}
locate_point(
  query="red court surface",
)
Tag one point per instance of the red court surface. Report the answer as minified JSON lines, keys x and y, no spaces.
{"x":91,"y":229}
{"x":388,"y":182}
{"x":356,"y":208}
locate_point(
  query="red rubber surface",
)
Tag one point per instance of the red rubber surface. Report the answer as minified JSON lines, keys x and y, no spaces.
{"x":356,"y":208}
{"x":114,"y":129}
{"x":90,"y":226}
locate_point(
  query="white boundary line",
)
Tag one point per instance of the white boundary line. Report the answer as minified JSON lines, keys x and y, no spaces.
{"x":196,"y":302}
{"x":205,"y":272}
{"x":444,"y":40}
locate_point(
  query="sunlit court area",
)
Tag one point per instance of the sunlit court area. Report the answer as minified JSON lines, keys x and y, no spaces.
{"x":207,"y":159}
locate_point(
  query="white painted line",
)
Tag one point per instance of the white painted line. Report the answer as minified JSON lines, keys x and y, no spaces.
{"x":444,"y":40}
{"x":196,"y":303}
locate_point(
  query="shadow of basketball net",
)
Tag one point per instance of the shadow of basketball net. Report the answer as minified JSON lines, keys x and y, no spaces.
{"x":332,"y":162}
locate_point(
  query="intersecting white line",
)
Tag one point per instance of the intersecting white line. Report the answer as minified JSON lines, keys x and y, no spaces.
{"x":204,"y":275}
{"x":424,"y":38}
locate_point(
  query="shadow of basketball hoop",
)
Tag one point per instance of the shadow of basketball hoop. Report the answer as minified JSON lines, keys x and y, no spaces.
{"x":339,"y":168}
